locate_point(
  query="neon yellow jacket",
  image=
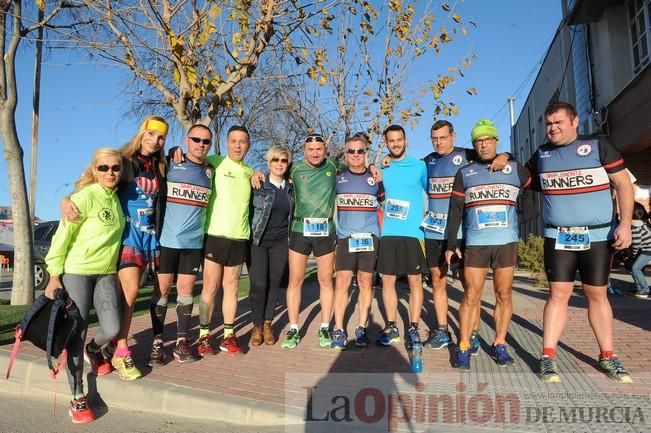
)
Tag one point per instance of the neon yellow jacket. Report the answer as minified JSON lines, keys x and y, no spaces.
{"x":91,"y":246}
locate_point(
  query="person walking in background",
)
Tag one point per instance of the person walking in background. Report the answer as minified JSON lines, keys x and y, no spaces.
{"x":82,"y":260}
{"x":273,"y":205}
{"x":641,"y":246}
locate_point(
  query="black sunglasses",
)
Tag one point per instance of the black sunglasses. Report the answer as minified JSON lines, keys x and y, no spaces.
{"x":283,"y":160}
{"x":356,"y":151}
{"x":200,"y":140}
{"x":311,"y":138}
{"x":104,"y":168}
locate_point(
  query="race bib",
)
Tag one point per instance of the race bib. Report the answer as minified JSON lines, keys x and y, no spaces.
{"x":435,"y":222}
{"x":396,"y":209}
{"x":146,"y":220}
{"x":360,"y":242}
{"x":573,"y":239}
{"x":315,"y":227}
{"x":491,"y":217}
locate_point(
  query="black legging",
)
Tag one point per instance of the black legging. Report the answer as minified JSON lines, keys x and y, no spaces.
{"x":268,"y":264}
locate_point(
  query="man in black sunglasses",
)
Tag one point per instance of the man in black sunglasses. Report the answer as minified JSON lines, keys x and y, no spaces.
{"x":358,"y":232}
{"x":189,"y":184}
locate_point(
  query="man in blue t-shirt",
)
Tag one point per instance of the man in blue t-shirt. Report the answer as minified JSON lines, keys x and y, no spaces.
{"x":402,"y":249}
{"x":188,"y":189}
{"x":358,"y":197}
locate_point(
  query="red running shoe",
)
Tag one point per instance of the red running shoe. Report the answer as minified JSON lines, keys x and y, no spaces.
{"x":230,"y":345}
{"x":80,"y":411}
{"x":98,"y":363}
{"x":205,"y":347}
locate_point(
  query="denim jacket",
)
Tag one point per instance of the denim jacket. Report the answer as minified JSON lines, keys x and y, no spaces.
{"x":262,"y":202}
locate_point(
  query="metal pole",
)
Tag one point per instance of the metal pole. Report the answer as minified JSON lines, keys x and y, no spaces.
{"x":511,"y":101}
{"x":35,"y":106}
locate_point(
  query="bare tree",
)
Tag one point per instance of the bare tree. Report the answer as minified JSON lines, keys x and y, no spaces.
{"x":14,"y":27}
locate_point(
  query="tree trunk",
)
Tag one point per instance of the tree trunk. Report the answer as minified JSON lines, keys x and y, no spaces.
{"x":22,"y":292}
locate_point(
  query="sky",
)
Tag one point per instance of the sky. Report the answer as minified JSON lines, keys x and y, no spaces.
{"x":82,"y":107}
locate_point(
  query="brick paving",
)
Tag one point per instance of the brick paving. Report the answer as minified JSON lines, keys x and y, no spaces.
{"x":280,"y":377}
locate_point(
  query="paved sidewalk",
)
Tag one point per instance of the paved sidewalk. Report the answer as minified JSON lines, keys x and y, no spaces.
{"x":373,"y":389}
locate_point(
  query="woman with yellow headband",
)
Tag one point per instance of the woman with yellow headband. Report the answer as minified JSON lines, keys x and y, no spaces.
{"x":141,"y":185}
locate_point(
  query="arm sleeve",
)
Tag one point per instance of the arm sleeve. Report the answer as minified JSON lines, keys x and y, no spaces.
{"x":380,"y":192}
{"x":532,"y":166}
{"x":455,"y":212}
{"x":65,"y":235}
{"x":610,"y":157}
{"x":525,"y":176}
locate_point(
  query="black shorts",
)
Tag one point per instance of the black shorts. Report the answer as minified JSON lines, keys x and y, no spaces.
{"x":363,"y":261}
{"x":184,"y":261}
{"x":593,"y":264}
{"x":435,"y":252}
{"x":225,"y":251}
{"x":319,"y":246}
{"x":400,"y":255}
{"x":491,"y":256}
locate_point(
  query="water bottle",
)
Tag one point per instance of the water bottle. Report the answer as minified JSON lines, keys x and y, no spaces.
{"x":417,"y":360}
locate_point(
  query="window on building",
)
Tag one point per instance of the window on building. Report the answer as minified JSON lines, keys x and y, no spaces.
{"x":639,"y":22}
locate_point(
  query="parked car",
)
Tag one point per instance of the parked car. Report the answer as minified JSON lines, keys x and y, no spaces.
{"x":42,"y":236}
{"x":43,"y":233}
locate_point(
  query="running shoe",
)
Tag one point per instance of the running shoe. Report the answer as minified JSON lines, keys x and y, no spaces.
{"x":361,"y":339}
{"x":461,"y":359}
{"x":80,"y":411}
{"x":325,"y":339}
{"x":440,"y":339}
{"x":389,"y":335}
{"x":230,"y":345}
{"x":183,"y":353}
{"x":157,"y":354}
{"x":501,"y":355}
{"x":475,"y":346}
{"x":205,"y":346}
{"x":98,"y":363}
{"x":549,"y":371}
{"x":641,"y":294}
{"x":615,"y":370}
{"x":339,"y":340}
{"x":413,"y":338}
{"x":125,"y":367}
{"x":292,"y":338}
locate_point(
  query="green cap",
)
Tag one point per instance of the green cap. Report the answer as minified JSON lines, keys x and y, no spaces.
{"x":484,"y":128}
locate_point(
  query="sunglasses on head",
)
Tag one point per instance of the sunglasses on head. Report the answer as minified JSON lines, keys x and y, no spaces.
{"x":311,"y":138}
{"x":276,"y":159}
{"x":105,"y":168}
{"x":200,"y":140}
{"x":356,"y":151}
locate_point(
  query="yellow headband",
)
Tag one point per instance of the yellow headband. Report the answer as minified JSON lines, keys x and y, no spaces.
{"x":155,"y":125}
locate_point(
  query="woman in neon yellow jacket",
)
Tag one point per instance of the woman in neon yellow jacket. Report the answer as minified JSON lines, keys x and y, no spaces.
{"x":82,"y":260}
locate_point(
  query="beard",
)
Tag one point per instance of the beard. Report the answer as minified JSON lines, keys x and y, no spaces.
{"x":397,"y":155}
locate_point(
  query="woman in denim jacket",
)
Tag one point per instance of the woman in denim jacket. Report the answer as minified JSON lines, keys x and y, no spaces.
{"x":273,"y":204}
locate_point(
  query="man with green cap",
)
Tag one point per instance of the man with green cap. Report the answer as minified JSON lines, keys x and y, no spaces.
{"x":484,"y":203}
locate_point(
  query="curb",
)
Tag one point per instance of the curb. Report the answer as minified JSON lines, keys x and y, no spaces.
{"x":30,"y":375}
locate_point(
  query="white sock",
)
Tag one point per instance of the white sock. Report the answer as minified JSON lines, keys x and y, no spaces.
{"x":294,"y":326}
{"x":325,"y":325}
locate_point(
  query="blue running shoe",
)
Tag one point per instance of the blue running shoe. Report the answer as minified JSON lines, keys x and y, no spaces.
{"x":339,"y":340}
{"x":440,"y":339}
{"x":389,"y":335}
{"x":413,"y":338}
{"x":461,"y":359}
{"x":361,"y":339}
{"x":501,"y":356}
{"x":475,"y":346}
